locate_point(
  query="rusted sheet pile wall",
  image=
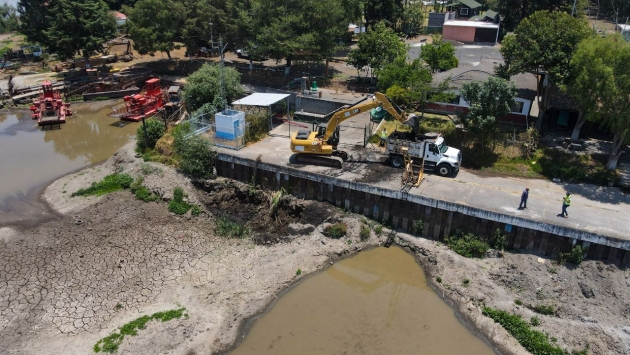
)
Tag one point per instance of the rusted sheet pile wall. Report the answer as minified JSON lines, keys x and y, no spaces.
{"x":441,"y":219}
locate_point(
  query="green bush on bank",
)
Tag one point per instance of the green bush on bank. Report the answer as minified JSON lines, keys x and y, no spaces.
{"x":110,"y":183}
{"x":196,"y":156}
{"x":534,"y":341}
{"x":110,"y":343}
{"x":155,"y":130}
{"x":474,"y":246}
{"x":575,"y":256}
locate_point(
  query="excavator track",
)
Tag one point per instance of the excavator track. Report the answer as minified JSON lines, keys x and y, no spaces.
{"x":325,"y":160}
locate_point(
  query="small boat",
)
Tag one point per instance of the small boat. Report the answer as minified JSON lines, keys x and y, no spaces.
{"x":142,"y":105}
{"x":48,"y":108}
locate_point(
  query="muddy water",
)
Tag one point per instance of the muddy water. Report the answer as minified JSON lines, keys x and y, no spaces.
{"x":31,"y":157}
{"x":377,"y":302}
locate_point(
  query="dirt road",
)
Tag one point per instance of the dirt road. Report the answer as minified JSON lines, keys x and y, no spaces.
{"x":66,"y":284}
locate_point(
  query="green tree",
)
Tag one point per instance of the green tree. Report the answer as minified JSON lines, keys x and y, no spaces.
{"x":439,"y":55}
{"x":34,"y":20}
{"x":387,"y":11}
{"x":376,"y":48}
{"x":154,"y":131}
{"x":197,"y":157}
{"x":203,"y":86}
{"x":488,"y":101}
{"x":290,"y":29}
{"x":411,"y":81}
{"x":412,"y":19}
{"x":78,"y":26}
{"x":514,"y":11}
{"x":602,"y":82}
{"x":154,"y":25}
{"x":8,"y":19}
{"x":543,"y":44}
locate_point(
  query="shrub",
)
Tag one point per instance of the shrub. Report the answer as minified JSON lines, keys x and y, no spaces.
{"x":534,"y":321}
{"x":197,"y":157}
{"x":148,"y":169}
{"x":378,"y":230}
{"x":542,"y":309}
{"x":498,"y":240}
{"x":109,"y":184}
{"x":534,"y":341}
{"x":155,"y":130}
{"x":518,"y":302}
{"x":196,"y":210}
{"x":257,"y":126}
{"x":179,"y":133}
{"x":468,"y":245}
{"x":575,"y":256}
{"x":298,"y":272}
{"x":432,"y":123}
{"x":226,"y":228}
{"x":336,"y":230}
{"x":417,"y":227}
{"x":110,"y":343}
{"x":177,"y":204}
{"x":466,"y":282}
{"x":144,"y":194}
{"x":438,"y":279}
{"x":365,"y":232}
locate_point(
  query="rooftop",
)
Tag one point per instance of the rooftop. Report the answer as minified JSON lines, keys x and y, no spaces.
{"x":470,"y":3}
{"x":477,"y":24}
{"x":525,"y":83}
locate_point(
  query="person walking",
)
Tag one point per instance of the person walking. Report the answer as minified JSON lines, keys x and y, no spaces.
{"x":566,"y":202}
{"x":383,"y":137}
{"x":524,"y":197}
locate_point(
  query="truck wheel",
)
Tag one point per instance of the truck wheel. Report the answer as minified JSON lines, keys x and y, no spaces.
{"x":343,"y":156}
{"x":444,"y":170}
{"x":397,"y":161}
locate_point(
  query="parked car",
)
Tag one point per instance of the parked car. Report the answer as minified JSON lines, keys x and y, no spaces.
{"x":5,"y":65}
{"x":243,"y":53}
{"x":428,"y":2}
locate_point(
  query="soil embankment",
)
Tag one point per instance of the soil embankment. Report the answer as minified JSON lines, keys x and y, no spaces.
{"x":66,"y":284}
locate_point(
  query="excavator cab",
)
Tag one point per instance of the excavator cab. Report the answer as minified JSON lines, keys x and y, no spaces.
{"x":333,"y":139}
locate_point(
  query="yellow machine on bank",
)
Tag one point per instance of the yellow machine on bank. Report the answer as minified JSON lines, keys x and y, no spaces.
{"x":320,"y":147}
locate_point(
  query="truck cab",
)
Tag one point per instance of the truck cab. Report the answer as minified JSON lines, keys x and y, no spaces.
{"x":429,"y":147}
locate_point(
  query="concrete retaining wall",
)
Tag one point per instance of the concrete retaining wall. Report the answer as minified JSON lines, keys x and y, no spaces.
{"x":441,"y":219}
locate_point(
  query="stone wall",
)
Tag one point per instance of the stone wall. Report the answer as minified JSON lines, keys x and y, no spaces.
{"x":400,"y":209}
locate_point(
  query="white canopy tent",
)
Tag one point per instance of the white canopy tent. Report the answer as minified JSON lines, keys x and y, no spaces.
{"x":263,"y":100}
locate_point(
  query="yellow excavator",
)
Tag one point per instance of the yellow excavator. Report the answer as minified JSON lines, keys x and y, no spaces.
{"x":321,"y":147}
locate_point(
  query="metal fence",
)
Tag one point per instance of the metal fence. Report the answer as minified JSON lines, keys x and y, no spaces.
{"x":205,"y":126}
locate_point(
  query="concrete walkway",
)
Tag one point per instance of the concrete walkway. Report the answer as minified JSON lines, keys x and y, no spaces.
{"x":600,"y":210}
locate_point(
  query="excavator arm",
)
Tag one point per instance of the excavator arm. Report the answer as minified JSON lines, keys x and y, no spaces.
{"x":363,"y":106}
{"x":320,"y":147}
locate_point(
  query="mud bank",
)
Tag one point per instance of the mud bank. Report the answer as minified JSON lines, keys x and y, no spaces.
{"x":66,"y":284}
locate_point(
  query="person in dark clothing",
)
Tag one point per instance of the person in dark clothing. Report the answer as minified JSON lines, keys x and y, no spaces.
{"x":524,"y":197}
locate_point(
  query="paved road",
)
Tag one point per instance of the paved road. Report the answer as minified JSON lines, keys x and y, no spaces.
{"x":601,"y":210}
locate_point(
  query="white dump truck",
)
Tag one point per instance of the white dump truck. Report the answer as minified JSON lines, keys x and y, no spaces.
{"x":437,"y":156}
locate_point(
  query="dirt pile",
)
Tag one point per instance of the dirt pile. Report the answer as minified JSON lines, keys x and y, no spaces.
{"x":271,"y":215}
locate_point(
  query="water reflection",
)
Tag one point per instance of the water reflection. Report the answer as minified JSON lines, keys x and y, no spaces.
{"x":32,"y":157}
{"x":377,"y":302}
{"x":90,"y":137}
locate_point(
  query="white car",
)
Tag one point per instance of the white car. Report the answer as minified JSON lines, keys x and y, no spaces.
{"x":428,"y":2}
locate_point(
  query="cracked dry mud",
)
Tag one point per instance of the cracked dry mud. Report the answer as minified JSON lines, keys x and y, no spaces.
{"x":64,"y":285}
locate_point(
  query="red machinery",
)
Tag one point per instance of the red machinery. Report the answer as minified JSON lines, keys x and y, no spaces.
{"x":142,"y":105}
{"x":49,"y":109}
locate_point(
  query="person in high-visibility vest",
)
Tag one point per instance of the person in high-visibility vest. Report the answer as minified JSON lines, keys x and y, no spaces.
{"x":566,"y":202}
{"x":383,"y":137}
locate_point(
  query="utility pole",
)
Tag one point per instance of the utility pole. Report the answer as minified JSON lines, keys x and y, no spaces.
{"x":573,"y":11}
